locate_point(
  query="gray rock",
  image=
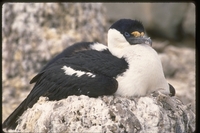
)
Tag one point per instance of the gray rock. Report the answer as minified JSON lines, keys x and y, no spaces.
{"x":189,"y":21}
{"x":140,"y":11}
{"x":169,"y":65}
{"x":33,"y":33}
{"x":153,"y":113}
{"x":168,"y":20}
{"x":40,"y":30}
{"x":179,"y":69}
{"x":184,"y":77}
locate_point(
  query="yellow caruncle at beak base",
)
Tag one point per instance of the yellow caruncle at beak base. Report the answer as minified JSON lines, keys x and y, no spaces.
{"x":137,"y":34}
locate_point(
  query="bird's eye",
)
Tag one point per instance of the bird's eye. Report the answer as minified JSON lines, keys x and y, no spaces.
{"x":126,"y":34}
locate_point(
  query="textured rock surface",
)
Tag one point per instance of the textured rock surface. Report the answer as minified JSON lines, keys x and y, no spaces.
{"x":33,"y":33}
{"x":109,"y":114}
{"x":179,"y":68}
{"x":46,"y":29}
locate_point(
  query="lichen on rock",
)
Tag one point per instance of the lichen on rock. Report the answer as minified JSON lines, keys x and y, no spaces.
{"x":108,"y":114}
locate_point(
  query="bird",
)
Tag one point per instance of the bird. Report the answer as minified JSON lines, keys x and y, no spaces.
{"x":127,"y":66}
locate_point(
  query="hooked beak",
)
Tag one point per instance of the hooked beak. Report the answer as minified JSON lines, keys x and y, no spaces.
{"x":140,"y":40}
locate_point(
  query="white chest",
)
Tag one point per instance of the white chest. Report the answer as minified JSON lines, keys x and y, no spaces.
{"x":145,"y":73}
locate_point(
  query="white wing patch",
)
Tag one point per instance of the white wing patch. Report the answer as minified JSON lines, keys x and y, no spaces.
{"x":98,"y":47}
{"x":70,"y":71}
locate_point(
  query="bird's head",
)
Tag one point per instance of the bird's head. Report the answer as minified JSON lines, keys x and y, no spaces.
{"x":126,"y":32}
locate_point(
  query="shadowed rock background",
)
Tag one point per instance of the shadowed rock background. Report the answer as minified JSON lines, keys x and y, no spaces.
{"x":33,"y":33}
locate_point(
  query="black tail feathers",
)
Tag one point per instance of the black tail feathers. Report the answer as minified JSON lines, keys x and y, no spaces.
{"x":11,"y":121}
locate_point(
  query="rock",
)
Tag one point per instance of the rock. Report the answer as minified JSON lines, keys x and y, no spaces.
{"x":181,"y":59}
{"x":164,"y":24}
{"x":169,"y":67}
{"x":167,"y":20}
{"x":41,"y":30}
{"x":179,"y":69}
{"x":140,"y":11}
{"x":153,"y":113}
{"x":189,"y":21}
{"x":33,"y":33}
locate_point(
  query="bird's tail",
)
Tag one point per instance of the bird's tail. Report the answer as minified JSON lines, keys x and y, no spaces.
{"x":11,"y":121}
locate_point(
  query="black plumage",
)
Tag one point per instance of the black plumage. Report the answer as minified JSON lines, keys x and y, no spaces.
{"x":53,"y":83}
{"x":94,"y":70}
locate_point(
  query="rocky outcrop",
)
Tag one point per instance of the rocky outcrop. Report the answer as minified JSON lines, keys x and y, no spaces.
{"x":189,"y":22}
{"x":33,"y":33}
{"x":150,"y":114}
{"x":44,"y":29}
{"x":174,"y":21}
{"x":179,"y":68}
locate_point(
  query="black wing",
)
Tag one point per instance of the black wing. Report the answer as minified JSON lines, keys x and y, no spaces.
{"x":55,"y":84}
{"x":69,"y":51}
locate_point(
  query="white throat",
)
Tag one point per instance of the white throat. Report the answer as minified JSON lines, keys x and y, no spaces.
{"x":116,"y":42}
{"x":145,"y":73}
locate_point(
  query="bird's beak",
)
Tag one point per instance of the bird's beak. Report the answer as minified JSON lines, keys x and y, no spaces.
{"x":140,"y":40}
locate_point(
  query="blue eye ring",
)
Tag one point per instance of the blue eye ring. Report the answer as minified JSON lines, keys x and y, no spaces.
{"x":126,"y":34}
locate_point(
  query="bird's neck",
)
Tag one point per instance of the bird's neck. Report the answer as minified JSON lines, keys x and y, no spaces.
{"x":129,"y":50}
{"x":118,"y":50}
{"x":117,"y":43}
